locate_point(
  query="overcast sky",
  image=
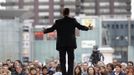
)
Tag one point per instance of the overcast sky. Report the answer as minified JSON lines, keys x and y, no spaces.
{"x":131,"y":10}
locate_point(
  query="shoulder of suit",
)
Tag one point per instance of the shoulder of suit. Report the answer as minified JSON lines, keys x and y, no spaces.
{"x":72,"y":18}
{"x":63,"y":19}
{"x":59,"y":20}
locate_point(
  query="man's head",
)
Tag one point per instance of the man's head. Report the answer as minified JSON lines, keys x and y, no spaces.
{"x":118,"y":68}
{"x":66,"y":12}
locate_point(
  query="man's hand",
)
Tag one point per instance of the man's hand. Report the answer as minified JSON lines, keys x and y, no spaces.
{"x":90,"y":26}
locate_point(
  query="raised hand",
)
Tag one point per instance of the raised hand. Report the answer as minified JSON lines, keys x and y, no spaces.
{"x":90,"y":26}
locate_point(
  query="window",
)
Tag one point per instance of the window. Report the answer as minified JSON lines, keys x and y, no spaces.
{"x":108,"y":26}
{"x":104,"y":10}
{"x":104,"y":26}
{"x":132,"y":37}
{"x":89,"y":4}
{"x":43,"y":14}
{"x":119,"y":4}
{"x":132,"y":26}
{"x":89,"y":10}
{"x":29,"y":7}
{"x":57,"y":0}
{"x":118,"y":10}
{"x":103,"y":4}
{"x":117,"y":26}
{"x":27,"y":1}
{"x":56,"y":6}
{"x":43,"y":7}
{"x":57,"y":13}
{"x":43,"y":0}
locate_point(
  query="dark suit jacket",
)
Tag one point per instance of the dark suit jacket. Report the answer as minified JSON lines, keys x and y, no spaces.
{"x":121,"y":73}
{"x":65,"y":28}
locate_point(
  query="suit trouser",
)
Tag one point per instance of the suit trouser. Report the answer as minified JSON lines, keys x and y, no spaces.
{"x":62,"y":54}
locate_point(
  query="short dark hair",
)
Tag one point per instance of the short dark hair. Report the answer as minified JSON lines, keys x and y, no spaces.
{"x":119,"y":65}
{"x":44,"y":67}
{"x":111,"y":65}
{"x":32,"y":68}
{"x":66,"y":11}
{"x":130,"y":62}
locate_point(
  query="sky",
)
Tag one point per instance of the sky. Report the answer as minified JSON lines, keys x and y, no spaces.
{"x":131,"y":10}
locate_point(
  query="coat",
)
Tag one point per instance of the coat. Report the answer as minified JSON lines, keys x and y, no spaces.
{"x":65,"y":28}
{"x":121,"y":73}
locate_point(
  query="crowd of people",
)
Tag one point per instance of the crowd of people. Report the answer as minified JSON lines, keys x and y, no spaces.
{"x":114,"y":68}
{"x":53,"y":68}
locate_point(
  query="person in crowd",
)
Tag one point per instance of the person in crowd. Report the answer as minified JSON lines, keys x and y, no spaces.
{"x":115,"y":61}
{"x":1,"y":70}
{"x":35,"y":62}
{"x":52,"y":66}
{"x":27,"y":70}
{"x":91,"y":71}
{"x":33,"y":71}
{"x":130,"y":63}
{"x":101,"y":63}
{"x":117,"y":70}
{"x":123,"y":66}
{"x":38,"y":69}
{"x":110,"y":68}
{"x":10,"y":66}
{"x":102,"y":70}
{"x":44,"y":70}
{"x":77,"y":70}
{"x":5,"y":70}
{"x":9,"y":62}
{"x":18,"y":62}
{"x":66,"y":40}
{"x":19,"y":70}
{"x":130,"y":70}
{"x":84,"y":68}
{"x":96,"y":56}
{"x":58,"y":70}
{"x":96,"y":67}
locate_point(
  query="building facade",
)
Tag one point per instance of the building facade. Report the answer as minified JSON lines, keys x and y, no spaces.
{"x":46,"y":11}
{"x":106,"y":7}
{"x":116,"y":35}
{"x":10,"y":40}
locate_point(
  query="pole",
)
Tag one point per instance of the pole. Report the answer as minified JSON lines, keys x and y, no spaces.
{"x":129,"y":30}
{"x":130,"y":47}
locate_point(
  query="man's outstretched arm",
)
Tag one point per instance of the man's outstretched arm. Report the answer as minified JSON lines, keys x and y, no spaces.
{"x":82,"y":27}
{"x":51,"y":29}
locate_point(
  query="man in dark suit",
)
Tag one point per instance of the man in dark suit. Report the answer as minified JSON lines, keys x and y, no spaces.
{"x":66,"y":40}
